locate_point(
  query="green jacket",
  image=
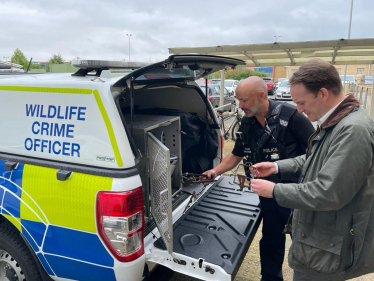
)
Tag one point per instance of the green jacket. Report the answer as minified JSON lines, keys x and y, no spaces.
{"x":333,"y":222}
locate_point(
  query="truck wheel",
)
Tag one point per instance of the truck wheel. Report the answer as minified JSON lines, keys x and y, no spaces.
{"x":16,"y":261}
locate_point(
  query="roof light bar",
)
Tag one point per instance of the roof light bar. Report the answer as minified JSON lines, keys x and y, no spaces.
{"x":105,"y":64}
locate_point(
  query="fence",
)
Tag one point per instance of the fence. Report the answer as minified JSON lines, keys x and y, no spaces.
{"x":364,"y":94}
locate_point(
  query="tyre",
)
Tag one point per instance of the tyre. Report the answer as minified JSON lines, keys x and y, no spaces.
{"x":16,"y":260}
{"x":234,"y":129}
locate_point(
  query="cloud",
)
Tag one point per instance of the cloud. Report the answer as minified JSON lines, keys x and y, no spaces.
{"x":97,"y":29}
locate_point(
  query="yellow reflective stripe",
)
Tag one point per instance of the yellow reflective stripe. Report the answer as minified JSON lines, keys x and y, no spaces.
{"x":28,"y":206}
{"x":69,"y":203}
{"x":46,"y":90}
{"x":109,"y":128}
{"x":99,"y":102}
{"x":15,"y":221}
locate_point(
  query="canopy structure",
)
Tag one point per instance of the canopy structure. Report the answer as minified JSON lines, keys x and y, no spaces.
{"x":337,"y":52}
{"x":9,"y":65}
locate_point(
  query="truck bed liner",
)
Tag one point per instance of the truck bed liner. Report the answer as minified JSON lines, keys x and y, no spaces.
{"x":219,"y":227}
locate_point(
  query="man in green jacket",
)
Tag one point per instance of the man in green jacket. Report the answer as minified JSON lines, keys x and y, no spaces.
{"x":333,"y":219}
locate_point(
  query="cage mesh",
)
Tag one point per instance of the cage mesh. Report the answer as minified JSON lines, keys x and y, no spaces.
{"x":160,"y":183}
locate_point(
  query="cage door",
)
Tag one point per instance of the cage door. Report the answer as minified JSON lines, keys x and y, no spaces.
{"x":160,"y":187}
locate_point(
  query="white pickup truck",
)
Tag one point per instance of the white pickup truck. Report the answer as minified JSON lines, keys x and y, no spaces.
{"x":93,"y":175}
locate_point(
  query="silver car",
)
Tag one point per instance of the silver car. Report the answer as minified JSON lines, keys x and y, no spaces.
{"x":283,"y":91}
{"x":214,"y":95}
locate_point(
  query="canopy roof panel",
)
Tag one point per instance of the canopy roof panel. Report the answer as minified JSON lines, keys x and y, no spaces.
{"x":9,"y":65}
{"x":338,"y":52}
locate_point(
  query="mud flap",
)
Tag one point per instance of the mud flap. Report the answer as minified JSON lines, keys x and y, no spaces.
{"x":216,"y":231}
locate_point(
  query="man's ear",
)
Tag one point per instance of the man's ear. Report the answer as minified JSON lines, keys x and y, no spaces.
{"x":325,"y":94}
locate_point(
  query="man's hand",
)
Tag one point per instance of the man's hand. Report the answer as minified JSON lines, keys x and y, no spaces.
{"x":211,"y":174}
{"x":263,"y":169}
{"x":263,"y":188}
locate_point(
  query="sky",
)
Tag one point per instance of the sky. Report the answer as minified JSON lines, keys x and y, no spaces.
{"x":97,"y":29}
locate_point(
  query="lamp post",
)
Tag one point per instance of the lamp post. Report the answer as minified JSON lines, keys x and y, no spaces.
{"x":6,"y":62}
{"x":129,"y":36}
{"x":349,"y":37}
{"x":276,"y":38}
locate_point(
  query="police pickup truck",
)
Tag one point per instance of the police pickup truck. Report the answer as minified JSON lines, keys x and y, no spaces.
{"x":99,"y":175}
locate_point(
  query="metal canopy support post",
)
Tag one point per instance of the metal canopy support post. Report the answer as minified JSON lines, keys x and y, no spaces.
{"x":349,"y":37}
{"x":221,"y":99}
{"x":289,"y":54}
{"x":336,"y":49}
{"x":251,"y":58}
{"x":372,"y":101}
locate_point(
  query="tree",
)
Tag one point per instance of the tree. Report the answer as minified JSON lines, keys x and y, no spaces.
{"x":19,"y":58}
{"x":35,"y":66}
{"x":242,"y":73}
{"x":239,"y":73}
{"x":55,"y":59}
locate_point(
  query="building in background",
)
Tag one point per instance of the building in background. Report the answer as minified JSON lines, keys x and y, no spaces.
{"x":42,"y":63}
{"x":267,"y":69}
{"x":358,"y":70}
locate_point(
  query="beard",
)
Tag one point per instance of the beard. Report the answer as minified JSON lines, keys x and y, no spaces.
{"x":256,"y":108}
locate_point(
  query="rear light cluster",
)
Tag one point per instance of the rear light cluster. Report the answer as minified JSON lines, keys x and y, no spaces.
{"x":120,"y":222}
{"x":210,"y":98}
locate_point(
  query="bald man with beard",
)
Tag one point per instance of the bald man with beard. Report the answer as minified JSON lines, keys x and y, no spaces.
{"x":271,"y":131}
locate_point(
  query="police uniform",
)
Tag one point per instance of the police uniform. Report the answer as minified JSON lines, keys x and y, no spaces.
{"x":285,"y":135}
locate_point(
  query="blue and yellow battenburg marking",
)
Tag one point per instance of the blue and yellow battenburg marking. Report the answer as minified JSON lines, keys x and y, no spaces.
{"x":57,"y":218}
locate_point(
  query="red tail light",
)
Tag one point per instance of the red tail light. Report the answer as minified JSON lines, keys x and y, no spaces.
{"x":120,"y":222}
{"x":210,"y":98}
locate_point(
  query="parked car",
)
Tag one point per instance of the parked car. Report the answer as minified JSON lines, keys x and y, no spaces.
{"x":278,"y":82}
{"x":348,"y":79}
{"x":214,"y":95}
{"x":270,"y":85}
{"x":283,"y":91}
{"x":201,"y":82}
{"x":368,"y":79}
{"x":216,"y":81}
{"x":231,"y":85}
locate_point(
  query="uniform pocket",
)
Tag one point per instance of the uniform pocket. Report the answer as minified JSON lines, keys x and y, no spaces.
{"x":359,"y":225}
{"x":317,"y":249}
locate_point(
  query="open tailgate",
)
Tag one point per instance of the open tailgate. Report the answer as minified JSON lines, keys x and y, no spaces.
{"x":211,"y":239}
